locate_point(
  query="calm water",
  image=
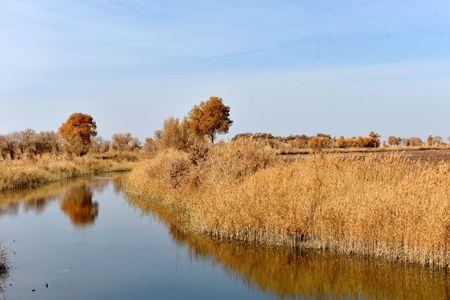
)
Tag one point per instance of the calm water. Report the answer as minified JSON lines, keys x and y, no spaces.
{"x":88,"y":241}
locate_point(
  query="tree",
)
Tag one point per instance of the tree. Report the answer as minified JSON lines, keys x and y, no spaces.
{"x":342,"y":142}
{"x":175,"y":135}
{"x":100,"y":145}
{"x":125,"y":142}
{"x":394,"y":140}
{"x":373,"y":140}
{"x":320,"y":142}
{"x":209,"y":119}
{"x":77,"y":132}
{"x":413,"y":142}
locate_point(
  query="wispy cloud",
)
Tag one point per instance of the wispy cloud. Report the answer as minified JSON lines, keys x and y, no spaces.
{"x":89,"y":52}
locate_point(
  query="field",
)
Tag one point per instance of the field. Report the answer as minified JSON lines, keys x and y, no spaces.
{"x":413,"y":153}
{"x":386,"y":206}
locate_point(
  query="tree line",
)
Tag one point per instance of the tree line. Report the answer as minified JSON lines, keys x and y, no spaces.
{"x":78,"y":135}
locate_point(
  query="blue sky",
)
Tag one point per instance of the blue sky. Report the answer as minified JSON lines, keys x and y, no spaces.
{"x":284,"y":66}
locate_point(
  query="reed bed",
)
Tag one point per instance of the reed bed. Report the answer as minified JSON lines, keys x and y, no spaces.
{"x":26,"y":173}
{"x":387,"y":207}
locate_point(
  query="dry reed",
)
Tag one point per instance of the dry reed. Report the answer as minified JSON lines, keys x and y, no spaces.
{"x":387,"y":207}
{"x":25,"y":173}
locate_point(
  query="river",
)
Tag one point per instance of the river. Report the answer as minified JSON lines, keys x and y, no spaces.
{"x":85,"y":239}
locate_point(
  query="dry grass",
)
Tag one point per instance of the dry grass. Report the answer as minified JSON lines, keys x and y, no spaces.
{"x":385,"y":207}
{"x":25,"y":173}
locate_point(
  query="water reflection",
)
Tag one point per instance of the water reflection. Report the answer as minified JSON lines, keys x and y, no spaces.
{"x":78,"y":205}
{"x":76,"y":199}
{"x":292,"y":273}
{"x":3,"y":272}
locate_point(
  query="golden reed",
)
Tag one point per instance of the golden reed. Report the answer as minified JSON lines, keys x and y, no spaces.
{"x":388,"y":207}
{"x":25,"y":173}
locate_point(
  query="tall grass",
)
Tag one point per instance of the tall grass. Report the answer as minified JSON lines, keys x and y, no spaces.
{"x":25,"y":173}
{"x":379,"y":206}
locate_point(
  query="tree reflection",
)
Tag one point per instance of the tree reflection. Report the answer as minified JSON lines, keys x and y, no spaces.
{"x":4,"y":269}
{"x":78,"y":205}
{"x":75,"y":197}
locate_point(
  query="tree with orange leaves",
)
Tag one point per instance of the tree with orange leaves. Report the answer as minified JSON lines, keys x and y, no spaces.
{"x":209,"y":118}
{"x":77,"y":132}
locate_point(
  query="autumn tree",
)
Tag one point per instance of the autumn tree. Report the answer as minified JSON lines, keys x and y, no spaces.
{"x":342,"y":142}
{"x":320,"y":142}
{"x":77,"y":132}
{"x":100,"y":145}
{"x":175,"y":135}
{"x":394,"y":140}
{"x":125,"y":142}
{"x":209,"y":118}
{"x":413,"y":142}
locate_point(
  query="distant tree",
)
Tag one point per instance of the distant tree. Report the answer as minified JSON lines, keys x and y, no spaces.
{"x":342,"y":142}
{"x":175,"y":135}
{"x":4,"y":151}
{"x":320,"y":142}
{"x":438,"y":141}
{"x":77,"y":132}
{"x":394,"y":140}
{"x":47,"y":142}
{"x":373,"y":140}
{"x":209,"y":118}
{"x":125,"y":142}
{"x":100,"y":145}
{"x":413,"y":142}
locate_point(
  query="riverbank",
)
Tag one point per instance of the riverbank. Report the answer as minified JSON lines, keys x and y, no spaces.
{"x":27,"y":173}
{"x":387,"y":207}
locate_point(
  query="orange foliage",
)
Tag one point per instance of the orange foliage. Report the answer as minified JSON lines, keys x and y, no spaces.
{"x":209,"y":118}
{"x":77,"y":132}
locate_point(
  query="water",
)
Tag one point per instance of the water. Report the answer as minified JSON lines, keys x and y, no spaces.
{"x":86,"y":240}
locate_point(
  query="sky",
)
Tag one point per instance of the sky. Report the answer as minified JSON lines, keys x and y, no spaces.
{"x":284,"y":66}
